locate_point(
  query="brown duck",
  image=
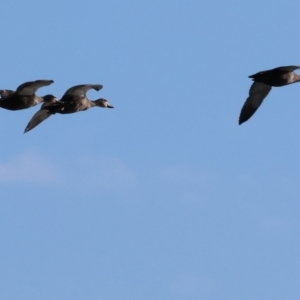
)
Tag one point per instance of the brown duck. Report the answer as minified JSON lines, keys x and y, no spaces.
{"x":74,"y":100}
{"x":24,"y":96}
{"x":263,"y":82}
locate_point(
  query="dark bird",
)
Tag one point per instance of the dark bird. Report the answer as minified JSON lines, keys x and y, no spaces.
{"x":24,"y":96}
{"x":263,"y":82}
{"x":74,"y":100}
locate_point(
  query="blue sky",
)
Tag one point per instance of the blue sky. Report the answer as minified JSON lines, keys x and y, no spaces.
{"x":165,"y":196}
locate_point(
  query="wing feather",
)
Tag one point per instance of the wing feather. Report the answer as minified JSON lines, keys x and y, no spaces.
{"x":287,"y":68}
{"x":80,"y":90}
{"x":29,"y":88}
{"x":257,"y":93}
{"x":38,"y":118}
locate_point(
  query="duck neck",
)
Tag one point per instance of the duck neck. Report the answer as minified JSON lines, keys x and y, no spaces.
{"x":297,"y":78}
{"x":38,"y":99}
{"x":93,"y":103}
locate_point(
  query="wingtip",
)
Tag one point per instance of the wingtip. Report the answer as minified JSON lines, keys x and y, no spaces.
{"x":99,"y":87}
{"x":241,"y":121}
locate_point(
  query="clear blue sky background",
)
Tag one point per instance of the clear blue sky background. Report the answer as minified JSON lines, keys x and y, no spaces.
{"x":165,"y":196}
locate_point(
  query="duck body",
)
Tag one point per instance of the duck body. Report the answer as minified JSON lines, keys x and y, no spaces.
{"x":16,"y":102}
{"x":69,"y":105}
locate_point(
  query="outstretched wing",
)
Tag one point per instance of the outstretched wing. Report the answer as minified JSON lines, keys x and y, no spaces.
{"x":257,"y":93}
{"x":29,"y":88}
{"x":80,"y":90}
{"x":275,"y":71}
{"x":287,"y":68}
{"x":38,"y":118}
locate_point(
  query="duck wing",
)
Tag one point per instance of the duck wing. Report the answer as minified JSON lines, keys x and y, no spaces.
{"x":29,"y":88}
{"x":45,"y":112}
{"x":38,"y":118}
{"x":257,"y":93}
{"x":274,"y":72}
{"x":80,"y":90}
{"x":287,"y":68}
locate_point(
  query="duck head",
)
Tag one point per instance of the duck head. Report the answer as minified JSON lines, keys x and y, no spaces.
{"x":103,"y":103}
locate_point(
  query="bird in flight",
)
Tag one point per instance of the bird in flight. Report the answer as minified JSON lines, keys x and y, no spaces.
{"x":74,"y":100}
{"x":263,"y":82}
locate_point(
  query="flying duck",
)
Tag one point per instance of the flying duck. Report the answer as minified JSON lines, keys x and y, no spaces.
{"x":74,"y":100}
{"x":263,"y":82}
